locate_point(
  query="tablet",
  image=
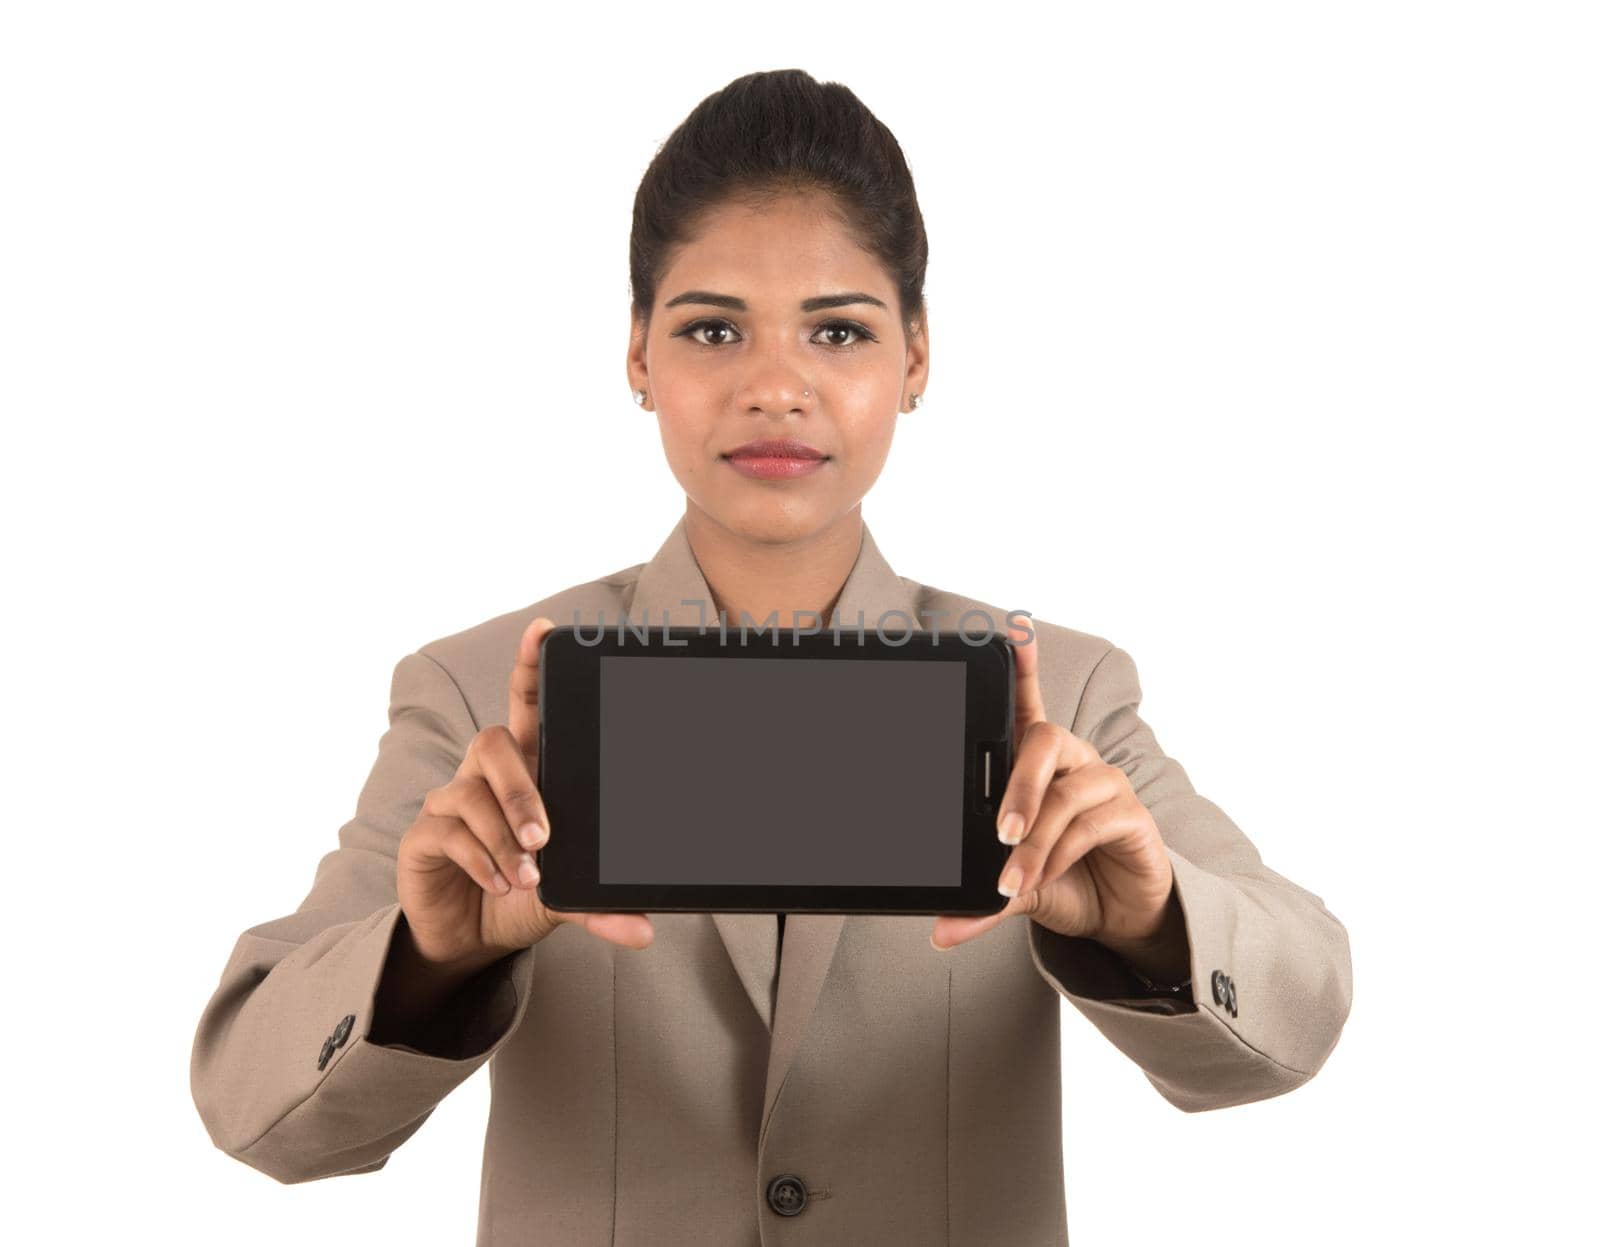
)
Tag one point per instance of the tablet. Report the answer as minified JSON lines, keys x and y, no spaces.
{"x":730,"y":770}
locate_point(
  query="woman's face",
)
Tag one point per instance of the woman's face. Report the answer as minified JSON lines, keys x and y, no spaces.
{"x":734,"y":354}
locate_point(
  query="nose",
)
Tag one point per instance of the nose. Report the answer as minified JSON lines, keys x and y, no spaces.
{"x":776,"y":390}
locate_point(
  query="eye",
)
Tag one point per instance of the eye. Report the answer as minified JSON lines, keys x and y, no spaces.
{"x":846,"y":326}
{"x":712,"y":324}
{"x":716,"y":325}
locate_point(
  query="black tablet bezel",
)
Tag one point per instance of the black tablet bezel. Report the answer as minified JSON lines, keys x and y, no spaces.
{"x":568,"y":776}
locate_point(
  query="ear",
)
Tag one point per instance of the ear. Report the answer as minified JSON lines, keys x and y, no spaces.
{"x":916,"y":361}
{"x":638,"y":372}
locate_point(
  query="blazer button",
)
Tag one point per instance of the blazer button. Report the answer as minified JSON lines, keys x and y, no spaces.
{"x":342,"y":1031}
{"x":786,"y":1195}
{"x":326,"y":1054}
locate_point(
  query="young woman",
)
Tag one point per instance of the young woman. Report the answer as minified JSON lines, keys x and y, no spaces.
{"x":665,"y":1079}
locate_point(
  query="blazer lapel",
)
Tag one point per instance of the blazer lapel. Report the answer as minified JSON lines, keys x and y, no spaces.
{"x":669,"y":589}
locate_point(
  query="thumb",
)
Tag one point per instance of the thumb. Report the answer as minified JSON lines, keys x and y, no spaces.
{"x":523,"y":712}
{"x":1029,"y":696}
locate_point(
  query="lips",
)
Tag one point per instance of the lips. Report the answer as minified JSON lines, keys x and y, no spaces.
{"x":775,"y":448}
{"x":776,"y":459}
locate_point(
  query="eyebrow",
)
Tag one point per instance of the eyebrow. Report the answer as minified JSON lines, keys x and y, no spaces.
{"x":806,"y":305}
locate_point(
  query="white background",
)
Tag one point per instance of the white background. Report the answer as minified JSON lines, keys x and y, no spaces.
{"x":1263,"y":340}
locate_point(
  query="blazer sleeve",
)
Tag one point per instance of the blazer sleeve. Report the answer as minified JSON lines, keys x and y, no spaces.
{"x":1270,"y":965}
{"x":284,"y":1070}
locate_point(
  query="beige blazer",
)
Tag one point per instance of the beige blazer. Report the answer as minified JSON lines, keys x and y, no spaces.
{"x":678,"y":1094}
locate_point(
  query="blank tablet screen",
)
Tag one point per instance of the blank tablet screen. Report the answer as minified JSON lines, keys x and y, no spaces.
{"x":795,"y":771}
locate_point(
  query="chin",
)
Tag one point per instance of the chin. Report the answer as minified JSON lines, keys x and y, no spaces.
{"x":773,"y":520}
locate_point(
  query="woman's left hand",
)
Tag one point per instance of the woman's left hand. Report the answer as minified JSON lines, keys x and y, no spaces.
{"x":1089,"y":859}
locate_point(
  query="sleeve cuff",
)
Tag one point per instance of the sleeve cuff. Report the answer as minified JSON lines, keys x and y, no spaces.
{"x":1087,"y":969}
{"x":475,"y":1016}
{"x":1195,"y":1053}
{"x":371,"y":1096}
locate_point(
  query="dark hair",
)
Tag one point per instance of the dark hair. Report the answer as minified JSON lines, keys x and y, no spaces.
{"x":773,"y":133}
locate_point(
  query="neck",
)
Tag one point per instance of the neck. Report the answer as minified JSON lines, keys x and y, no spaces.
{"x":782,"y":578}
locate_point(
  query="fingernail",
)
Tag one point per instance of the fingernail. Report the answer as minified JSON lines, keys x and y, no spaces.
{"x":501,"y":884}
{"x":937,"y":945}
{"x":527,"y":871}
{"x":1011,"y":881}
{"x":1011,"y":828}
{"x":529,"y":834}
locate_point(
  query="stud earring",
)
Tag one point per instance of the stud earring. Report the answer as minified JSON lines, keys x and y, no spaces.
{"x":916,"y":401}
{"x":638,"y":397}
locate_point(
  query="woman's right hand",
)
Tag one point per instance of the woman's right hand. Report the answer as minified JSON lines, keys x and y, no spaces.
{"x":461,"y":881}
